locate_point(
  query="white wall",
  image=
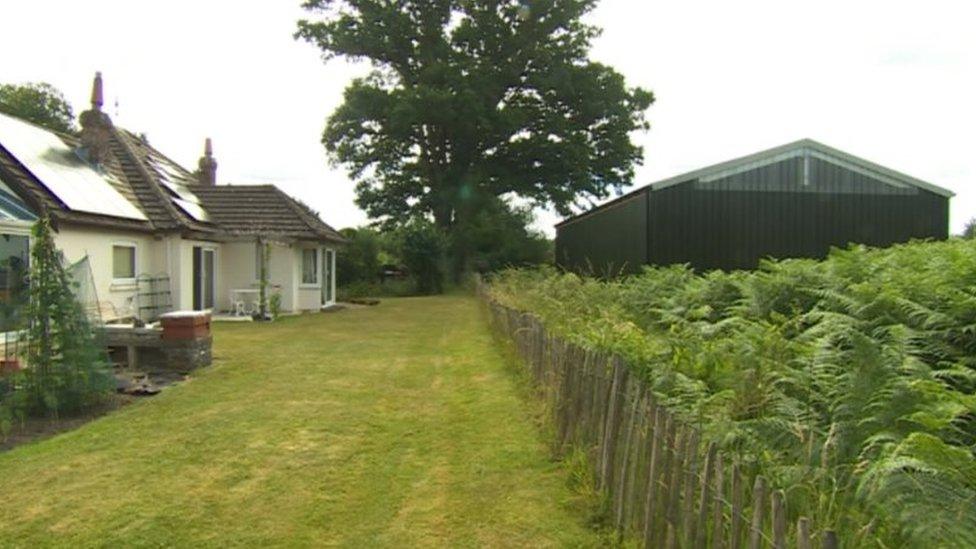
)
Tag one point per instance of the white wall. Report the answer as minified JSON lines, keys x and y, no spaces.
{"x":184,"y":268}
{"x":237,"y":270}
{"x":283,"y":272}
{"x":235,"y":267}
{"x":97,"y":245}
{"x":310,"y":295}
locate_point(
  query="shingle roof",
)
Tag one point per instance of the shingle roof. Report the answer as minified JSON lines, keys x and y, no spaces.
{"x":140,"y":162}
{"x":263,"y":210}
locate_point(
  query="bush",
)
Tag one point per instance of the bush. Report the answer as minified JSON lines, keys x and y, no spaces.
{"x":422,"y":248}
{"x":359,"y":260}
{"x":389,"y":288}
{"x":496,"y":237}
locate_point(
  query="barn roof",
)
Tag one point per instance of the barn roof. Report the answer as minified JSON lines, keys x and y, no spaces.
{"x":803,"y":147}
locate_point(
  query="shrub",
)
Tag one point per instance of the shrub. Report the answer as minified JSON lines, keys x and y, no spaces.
{"x":422,"y":247}
{"x":359,"y":260}
{"x":274,"y":304}
{"x":388,"y":288}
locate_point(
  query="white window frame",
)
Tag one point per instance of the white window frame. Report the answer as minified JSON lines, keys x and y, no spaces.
{"x":318,"y":269}
{"x":135,"y":262}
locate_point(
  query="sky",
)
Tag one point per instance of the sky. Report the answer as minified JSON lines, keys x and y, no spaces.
{"x":890,"y":81}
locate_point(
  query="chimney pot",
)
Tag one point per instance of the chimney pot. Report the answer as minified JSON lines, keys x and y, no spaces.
{"x":97,"y":98}
{"x":207,"y":172}
{"x":96,"y":126}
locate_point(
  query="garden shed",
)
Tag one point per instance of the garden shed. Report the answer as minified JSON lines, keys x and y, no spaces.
{"x":796,"y":200}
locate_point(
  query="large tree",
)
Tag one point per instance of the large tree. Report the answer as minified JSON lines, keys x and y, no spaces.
{"x":469,"y":100}
{"x":37,"y":102}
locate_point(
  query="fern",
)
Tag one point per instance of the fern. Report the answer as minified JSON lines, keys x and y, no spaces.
{"x":849,"y":380}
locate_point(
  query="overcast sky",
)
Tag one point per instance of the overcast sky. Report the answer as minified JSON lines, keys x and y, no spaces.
{"x":891,"y":81}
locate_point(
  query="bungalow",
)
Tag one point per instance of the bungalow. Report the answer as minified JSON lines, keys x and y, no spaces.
{"x":155,"y":235}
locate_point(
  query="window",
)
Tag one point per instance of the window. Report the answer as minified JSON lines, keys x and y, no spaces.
{"x":123,"y":262}
{"x":14,"y":279}
{"x":310,"y":266}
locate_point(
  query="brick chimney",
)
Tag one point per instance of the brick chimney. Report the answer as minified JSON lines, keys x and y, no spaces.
{"x":207,"y":167}
{"x":96,"y":127}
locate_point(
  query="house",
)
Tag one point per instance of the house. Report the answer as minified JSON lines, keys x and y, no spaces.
{"x":796,"y":200}
{"x":156,"y":235}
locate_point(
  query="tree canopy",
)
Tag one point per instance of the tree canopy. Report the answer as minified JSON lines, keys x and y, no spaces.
{"x":38,"y":102}
{"x":969,"y":231}
{"x":469,"y":100}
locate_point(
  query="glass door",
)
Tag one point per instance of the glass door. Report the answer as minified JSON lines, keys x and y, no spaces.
{"x":204,"y":280}
{"x":328,"y":277}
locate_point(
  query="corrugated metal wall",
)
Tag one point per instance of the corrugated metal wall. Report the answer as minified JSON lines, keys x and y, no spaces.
{"x":612,"y":242}
{"x":780,"y":210}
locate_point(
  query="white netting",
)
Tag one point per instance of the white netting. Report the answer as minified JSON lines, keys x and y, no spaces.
{"x":84,"y":288}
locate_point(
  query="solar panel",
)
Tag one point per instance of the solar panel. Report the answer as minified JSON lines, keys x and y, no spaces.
{"x":79,"y":186}
{"x":175,"y":182}
{"x":195,"y":210}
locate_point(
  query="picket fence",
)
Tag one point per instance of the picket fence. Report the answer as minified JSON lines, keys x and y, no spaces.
{"x":666,"y":487}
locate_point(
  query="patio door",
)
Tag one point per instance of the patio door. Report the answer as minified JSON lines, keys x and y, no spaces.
{"x":328,"y":277}
{"x":204,"y":281}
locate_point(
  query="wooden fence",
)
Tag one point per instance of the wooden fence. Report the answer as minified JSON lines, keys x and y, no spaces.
{"x":664,"y":484}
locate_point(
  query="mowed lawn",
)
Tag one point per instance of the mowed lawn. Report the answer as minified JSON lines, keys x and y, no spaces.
{"x":397,"y":425}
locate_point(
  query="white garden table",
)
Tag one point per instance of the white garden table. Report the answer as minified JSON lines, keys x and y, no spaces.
{"x":244,"y":301}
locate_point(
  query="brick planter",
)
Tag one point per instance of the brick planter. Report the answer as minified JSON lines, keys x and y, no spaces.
{"x":181,"y":343}
{"x":185,"y":325}
{"x":9,"y":366}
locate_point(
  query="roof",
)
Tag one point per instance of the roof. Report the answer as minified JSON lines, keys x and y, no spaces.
{"x":257,"y":210}
{"x":776,"y":154}
{"x":43,"y":167}
{"x":142,"y":165}
{"x":33,"y":192}
{"x":160,"y":194}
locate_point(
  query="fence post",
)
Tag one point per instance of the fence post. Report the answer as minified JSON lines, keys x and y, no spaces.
{"x":625,"y":458}
{"x":738,"y":518}
{"x":612,"y":425}
{"x":779,"y":520}
{"x":803,"y":534}
{"x":650,"y":499}
{"x":672,"y":518}
{"x":658,"y":476}
{"x":704,"y":501}
{"x":758,"y":506}
{"x":687,"y":516}
{"x":718,"y":529}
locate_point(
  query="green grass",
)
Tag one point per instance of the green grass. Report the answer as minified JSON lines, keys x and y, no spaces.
{"x":398,"y":425}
